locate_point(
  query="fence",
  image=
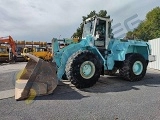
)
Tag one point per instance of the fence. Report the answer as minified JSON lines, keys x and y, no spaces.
{"x":155,"y":45}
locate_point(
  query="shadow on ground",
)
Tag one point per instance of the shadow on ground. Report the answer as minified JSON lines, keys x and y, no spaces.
{"x":105,"y":84}
{"x":117,"y":84}
{"x":63,"y":92}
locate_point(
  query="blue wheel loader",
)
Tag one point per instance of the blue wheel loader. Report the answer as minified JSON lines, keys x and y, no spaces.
{"x":97,"y":53}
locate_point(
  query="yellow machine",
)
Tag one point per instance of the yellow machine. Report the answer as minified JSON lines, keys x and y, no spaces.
{"x":4,"y":54}
{"x":43,"y":53}
{"x":29,"y":47}
{"x":26,"y":51}
{"x":40,"y":52}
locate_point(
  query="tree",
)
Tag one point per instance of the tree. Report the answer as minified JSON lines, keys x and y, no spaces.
{"x":129,"y":35}
{"x":79,"y":31}
{"x":149,"y":28}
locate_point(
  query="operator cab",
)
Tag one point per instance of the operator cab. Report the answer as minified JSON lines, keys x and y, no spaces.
{"x":100,"y":29}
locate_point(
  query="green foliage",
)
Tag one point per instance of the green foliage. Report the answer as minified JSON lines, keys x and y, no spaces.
{"x":79,"y":31}
{"x":129,"y":35}
{"x":149,"y":28}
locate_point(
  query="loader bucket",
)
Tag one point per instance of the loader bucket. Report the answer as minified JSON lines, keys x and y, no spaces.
{"x":38,"y":78}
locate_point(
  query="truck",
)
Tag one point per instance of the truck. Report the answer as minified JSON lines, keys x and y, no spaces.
{"x":97,"y":53}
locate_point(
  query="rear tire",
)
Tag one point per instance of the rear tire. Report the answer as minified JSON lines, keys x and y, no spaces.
{"x":134,"y":67}
{"x":83,"y":69}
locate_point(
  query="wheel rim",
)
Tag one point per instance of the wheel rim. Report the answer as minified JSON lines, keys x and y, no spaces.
{"x":137,"y":68}
{"x":87,"y":69}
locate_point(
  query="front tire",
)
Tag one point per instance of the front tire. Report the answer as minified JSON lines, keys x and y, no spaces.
{"x":83,"y":69}
{"x":134,"y":67}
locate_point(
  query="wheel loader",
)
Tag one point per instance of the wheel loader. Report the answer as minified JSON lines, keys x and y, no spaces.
{"x":82,"y":63}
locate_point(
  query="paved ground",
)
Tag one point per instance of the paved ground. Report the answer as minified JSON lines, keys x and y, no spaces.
{"x":8,"y":74}
{"x":110,"y":99}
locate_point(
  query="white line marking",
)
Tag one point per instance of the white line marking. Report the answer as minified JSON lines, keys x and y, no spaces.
{"x":7,"y":94}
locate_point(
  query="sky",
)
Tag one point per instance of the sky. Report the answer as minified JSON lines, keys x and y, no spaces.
{"x":42,"y":20}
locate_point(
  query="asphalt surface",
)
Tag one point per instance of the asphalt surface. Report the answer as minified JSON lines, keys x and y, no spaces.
{"x":110,"y":99}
